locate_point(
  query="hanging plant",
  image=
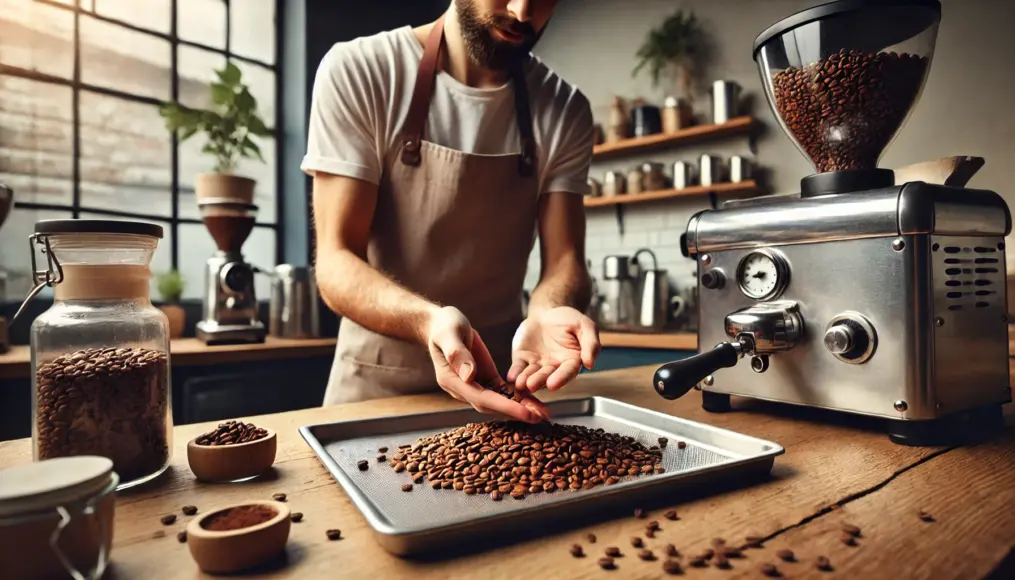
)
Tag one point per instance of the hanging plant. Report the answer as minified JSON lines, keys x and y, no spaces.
{"x":673,"y":49}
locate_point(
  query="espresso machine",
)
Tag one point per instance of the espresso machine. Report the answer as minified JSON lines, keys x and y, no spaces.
{"x":6,"y":203}
{"x":230,"y":303}
{"x":861,"y":294}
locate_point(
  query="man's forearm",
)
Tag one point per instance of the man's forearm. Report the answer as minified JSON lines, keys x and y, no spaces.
{"x":566,"y":286}
{"x":354,"y":289}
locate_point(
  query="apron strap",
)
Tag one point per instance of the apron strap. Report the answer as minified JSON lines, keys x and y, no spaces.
{"x":419,"y":106}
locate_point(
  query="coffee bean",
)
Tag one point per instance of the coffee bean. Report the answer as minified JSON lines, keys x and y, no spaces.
{"x":671,"y":515}
{"x":188,"y":510}
{"x":646,"y":555}
{"x":653,"y":525}
{"x":851,"y":530}
{"x":576,"y":551}
{"x":823,"y":563}
{"x":362,"y":465}
{"x":382,"y":458}
{"x":639,"y":513}
{"x":754,"y":541}
{"x":181,"y":536}
{"x":698,"y":561}
{"x":382,"y":449}
{"x":864,"y":95}
{"x":168,"y":519}
{"x":399,"y":467}
{"x":650,"y":533}
{"x":591,"y":538}
{"x":496,"y":495}
{"x":606,"y":563}
{"x":708,"y":553}
{"x":334,"y":534}
{"x":769,"y":570}
{"x":732,"y":552}
{"x":612,"y":551}
{"x":637,"y":542}
{"x":847,"y":539}
{"x":926,"y":516}
{"x":681,"y":445}
{"x":296,"y":517}
{"x":785,"y":555}
{"x":278,"y":497}
{"x":672,"y":551}
{"x":406,"y":487}
{"x":721,"y":562}
{"x":672,"y":567}
{"x":663,"y":441}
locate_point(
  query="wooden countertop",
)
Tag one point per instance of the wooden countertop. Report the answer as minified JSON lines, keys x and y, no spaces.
{"x":16,"y":364}
{"x":662,"y":340}
{"x":835,"y":470}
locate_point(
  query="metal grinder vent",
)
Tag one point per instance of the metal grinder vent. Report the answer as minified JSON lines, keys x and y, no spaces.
{"x":973,"y":276}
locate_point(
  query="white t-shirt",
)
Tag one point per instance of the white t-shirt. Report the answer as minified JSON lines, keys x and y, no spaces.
{"x":361,"y":97}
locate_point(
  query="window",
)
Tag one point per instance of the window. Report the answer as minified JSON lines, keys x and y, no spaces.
{"x":80,"y":133}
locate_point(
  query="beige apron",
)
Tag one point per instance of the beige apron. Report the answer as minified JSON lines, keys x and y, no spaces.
{"x":453,"y":227}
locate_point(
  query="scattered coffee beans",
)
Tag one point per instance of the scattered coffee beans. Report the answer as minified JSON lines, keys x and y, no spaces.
{"x":235,"y":518}
{"x":851,"y":530}
{"x":333,"y":534}
{"x":381,"y":458}
{"x":606,"y":563}
{"x":671,"y":515}
{"x":112,"y":402}
{"x":847,"y":539}
{"x":232,"y":433}
{"x":576,"y":551}
{"x":636,"y":542}
{"x":769,"y":570}
{"x":521,"y":459}
{"x":188,"y":510}
{"x":278,"y":497}
{"x":823,"y":563}
{"x":653,"y":525}
{"x":672,"y":551}
{"x":650,"y":533}
{"x":406,"y":487}
{"x":506,"y":390}
{"x":646,"y":555}
{"x":296,"y":517}
{"x":591,"y":538}
{"x":382,"y":449}
{"x":785,"y":555}
{"x":181,"y":536}
{"x":926,"y":516}
{"x":681,"y":445}
{"x":845,"y":108}
{"x":732,"y":552}
{"x":168,"y":519}
{"x":698,"y":561}
{"x":663,"y":441}
{"x":363,"y":465}
{"x":672,"y":567}
{"x":612,"y":551}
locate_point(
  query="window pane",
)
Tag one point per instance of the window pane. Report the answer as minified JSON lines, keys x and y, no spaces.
{"x":150,"y":14}
{"x":162,"y":261}
{"x":15,"y":258}
{"x":261,"y":82}
{"x":197,"y":70}
{"x":118,"y":58}
{"x":36,"y":142}
{"x":202,"y":21}
{"x":252,"y":29}
{"x":196,"y":246}
{"x":264,"y":175}
{"x":192,"y":163}
{"x":126,"y":156}
{"x":37,"y":37}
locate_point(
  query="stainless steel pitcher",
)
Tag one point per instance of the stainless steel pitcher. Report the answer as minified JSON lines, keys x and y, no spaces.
{"x":618,"y":309}
{"x":656,"y":304}
{"x":294,"y":303}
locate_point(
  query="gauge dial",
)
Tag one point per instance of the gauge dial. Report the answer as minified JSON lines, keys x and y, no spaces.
{"x":762,"y":275}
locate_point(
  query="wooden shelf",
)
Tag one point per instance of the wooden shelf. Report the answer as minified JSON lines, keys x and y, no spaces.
{"x":746,"y":187}
{"x":662,"y":140}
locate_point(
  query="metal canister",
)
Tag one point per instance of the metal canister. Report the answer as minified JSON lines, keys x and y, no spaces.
{"x":635,"y":180}
{"x":725,"y":101}
{"x":740,"y":169}
{"x":293,"y":310}
{"x":710,"y":169}
{"x":683,"y":174}
{"x":653,"y":178}
{"x":595,"y":188}
{"x":614,"y":184}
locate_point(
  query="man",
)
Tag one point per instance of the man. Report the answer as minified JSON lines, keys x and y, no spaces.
{"x":437,"y":154}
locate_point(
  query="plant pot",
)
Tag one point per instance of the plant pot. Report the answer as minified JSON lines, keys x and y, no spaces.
{"x":220,"y":185}
{"x":177,"y":319}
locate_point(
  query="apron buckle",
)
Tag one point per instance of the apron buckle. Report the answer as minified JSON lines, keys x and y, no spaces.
{"x":410,"y":153}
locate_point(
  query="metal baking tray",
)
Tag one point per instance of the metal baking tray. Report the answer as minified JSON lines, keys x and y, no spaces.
{"x":427,"y":520}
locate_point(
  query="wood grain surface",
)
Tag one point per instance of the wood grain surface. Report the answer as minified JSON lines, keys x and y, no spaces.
{"x":662,"y":340}
{"x":836,"y":467}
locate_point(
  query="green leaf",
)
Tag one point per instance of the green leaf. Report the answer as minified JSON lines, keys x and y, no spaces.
{"x":248,"y":145}
{"x":188,"y":133}
{"x":222,"y":94}
{"x":245,"y":102}
{"x":257,"y":127}
{"x":230,"y":75}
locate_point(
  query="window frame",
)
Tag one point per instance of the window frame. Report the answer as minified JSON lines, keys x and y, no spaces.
{"x":74,"y":83}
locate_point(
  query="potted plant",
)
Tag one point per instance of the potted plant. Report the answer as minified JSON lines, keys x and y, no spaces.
{"x":229,"y":127}
{"x":170,"y":285}
{"x":675,"y":48}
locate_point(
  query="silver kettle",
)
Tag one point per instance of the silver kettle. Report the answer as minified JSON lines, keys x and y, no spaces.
{"x":618,"y":309}
{"x":656,"y":303}
{"x":293,"y":310}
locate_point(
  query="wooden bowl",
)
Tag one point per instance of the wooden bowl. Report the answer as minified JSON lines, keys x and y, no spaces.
{"x":232,"y":463}
{"x":222,"y":552}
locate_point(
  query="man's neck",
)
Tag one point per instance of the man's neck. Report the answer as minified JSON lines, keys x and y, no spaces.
{"x":457,"y":62}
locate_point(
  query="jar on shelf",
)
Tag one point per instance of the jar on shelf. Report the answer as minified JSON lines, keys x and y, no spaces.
{"x":653,"y":178}
{"x":100,"y":354}
{"x":617,"y":128}
{"x":635,"y":180}
{"x":676,"y":114}
{"x":614,"y":184}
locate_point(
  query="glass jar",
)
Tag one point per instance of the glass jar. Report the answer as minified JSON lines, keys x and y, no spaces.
{"x":653,"y":178}
{"x":635,"y":180}
{"x":100,"y":355}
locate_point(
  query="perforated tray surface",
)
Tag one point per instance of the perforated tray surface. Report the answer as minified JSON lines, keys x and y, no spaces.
{"x":409,"y":521}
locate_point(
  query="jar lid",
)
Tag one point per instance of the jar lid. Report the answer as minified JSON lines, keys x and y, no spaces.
{"x":670,"y":102}
{"x":79,"y":226}
{"x":50,"y":483}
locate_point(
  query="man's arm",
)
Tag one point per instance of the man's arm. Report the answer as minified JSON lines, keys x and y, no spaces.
{"x":564,"y":278}
{"x":343,"y":212}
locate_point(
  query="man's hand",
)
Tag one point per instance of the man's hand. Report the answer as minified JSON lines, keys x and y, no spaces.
{"x":551,"y":347}
{"x":460,"y":359}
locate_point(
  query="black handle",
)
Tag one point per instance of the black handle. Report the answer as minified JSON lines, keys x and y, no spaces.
{"x":674,"y":379}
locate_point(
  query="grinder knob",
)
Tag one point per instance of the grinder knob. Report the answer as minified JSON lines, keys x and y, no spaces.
{"x":674,"y":379}
{"x":839,"y":339}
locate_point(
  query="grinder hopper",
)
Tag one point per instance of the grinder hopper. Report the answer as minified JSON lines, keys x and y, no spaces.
{"x":228,"y":221}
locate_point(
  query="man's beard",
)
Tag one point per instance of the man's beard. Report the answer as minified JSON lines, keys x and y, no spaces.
{"x":483,"y":47}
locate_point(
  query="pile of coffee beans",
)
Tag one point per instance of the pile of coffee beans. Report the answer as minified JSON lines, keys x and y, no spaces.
{"x":517,"y":459}
{"x":845,"y":108}
{"x":504,"y":389}
{"x":111,"y":402}
{"x":231,"y":433}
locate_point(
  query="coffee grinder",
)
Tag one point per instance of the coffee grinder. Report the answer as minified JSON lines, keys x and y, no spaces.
{"x":6,"y":202}
{"x":230,"y":304}
{"x":861,"y":295}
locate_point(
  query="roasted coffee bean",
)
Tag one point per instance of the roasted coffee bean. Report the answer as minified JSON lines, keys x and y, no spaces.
{"x":188,"y":510}
{"x":926,"y":516}
{"x":639,"y":513}
{"x":851,"y":530}
{"x":860,"y":94}
{"x":769,"y":570}
{"x":110,"y":402}
{"x":399,"y":467}
{"x":698,"y":561}
{"x":181,"y":536}
{"x":650,"y":532}
{"x":278,"y":497}
{"x":663,"y":441}
{"x":606,"y":563}
{"x":612,"y":551}
{"x":496,"y":495}
{"x":681,"y":445}
{"x":754,"y":541}
{"x":362,"y":465}
{"x":296,"y":517}
{"x":406,"y":487}
{"x":576,"y":551}
{"x":382,"y":458}
{"x":672,"y":551}
{"x":672,"y":567}
{"x":168,"y":519}
{"x":591,"y":538}
{"x":823,"y":563}
{"x":708,"y":553}
{"x":334,"y":534}
{"x":646,"y":555}
{"x":382,"y":449}
{"x":721,"y":562}
{"x":637,"y":542}
{"x":848,"y":539}
{"x":653,"y":525}
{"x":786,"y":555}
{"x":732,"y":552}
{"x":671,"y":515}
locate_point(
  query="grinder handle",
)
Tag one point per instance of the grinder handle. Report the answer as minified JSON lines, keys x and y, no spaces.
{"x":674,"y":379}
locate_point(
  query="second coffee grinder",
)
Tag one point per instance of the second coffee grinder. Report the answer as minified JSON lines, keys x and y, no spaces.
{"x":230,"y":303}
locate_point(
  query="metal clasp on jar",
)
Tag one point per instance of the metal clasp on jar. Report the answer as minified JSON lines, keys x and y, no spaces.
{"x":52,"y":275}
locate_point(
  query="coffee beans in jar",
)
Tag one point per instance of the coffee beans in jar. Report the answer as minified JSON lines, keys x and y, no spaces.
{"x":845,"y":108}
{"x":111,"y":402}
